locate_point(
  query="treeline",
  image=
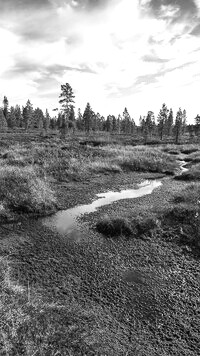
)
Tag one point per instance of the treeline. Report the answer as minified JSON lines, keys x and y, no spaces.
{"x":166,"y":125}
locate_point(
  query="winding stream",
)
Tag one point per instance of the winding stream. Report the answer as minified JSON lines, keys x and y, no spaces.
{"x":65,"y":221}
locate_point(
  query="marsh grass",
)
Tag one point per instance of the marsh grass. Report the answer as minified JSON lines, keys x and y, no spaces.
{"x":184,"y":213}
{"x":193,"y":174}
{"x":130,"y":227}
{"x":183,"y":148}
{"x":21,"y":190}
{"x":142,"y":158}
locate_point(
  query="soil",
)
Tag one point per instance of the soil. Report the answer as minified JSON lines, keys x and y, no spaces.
{"x":150,"y":286}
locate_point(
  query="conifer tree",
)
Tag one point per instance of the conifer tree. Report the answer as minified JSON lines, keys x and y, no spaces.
{"x":46,"y":121}
{"x":197,"y":125}
{"x":5,"y":107}
{"x":18,"y":116}
{"x":11,"y":119}
{"x":169,"y":123}
{"x":79,"y":120}
{"x":28,"y":115}
{"x":3,"y":122}
{"x":66,"y":101}
{"x":162,"y":120}
{"x":178,"y":126}
{"x":87,"y":117}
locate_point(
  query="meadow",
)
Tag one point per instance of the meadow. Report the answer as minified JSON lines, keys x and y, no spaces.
{"x":130,"y":287}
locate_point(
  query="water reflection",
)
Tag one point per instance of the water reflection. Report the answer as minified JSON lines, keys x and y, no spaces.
{"x":65,"y":221}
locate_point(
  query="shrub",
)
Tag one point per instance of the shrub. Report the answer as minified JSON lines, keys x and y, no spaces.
{"x":21,"y":190}
{"x":117,"y":226}
{"x":114,"y":227}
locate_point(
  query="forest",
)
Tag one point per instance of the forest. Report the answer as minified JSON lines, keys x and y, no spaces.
{"x":168,"y":126}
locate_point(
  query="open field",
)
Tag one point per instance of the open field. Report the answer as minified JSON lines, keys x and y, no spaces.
{"x":130,"y":285}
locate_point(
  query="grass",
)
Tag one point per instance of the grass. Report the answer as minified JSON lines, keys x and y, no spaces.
{"x":22,"y":190}
{"x":183,"y":148}
{"x":31,"y":323}
{"x":70,"y":161}
{"x":130,"y":227}
{"x":193,"y":174}
{"x":142,"y":159}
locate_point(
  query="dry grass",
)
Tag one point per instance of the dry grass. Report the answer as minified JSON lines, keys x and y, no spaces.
{"x":142,"y":158}
{"x":21,"y":190}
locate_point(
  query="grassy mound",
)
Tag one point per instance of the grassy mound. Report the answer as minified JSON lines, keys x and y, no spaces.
{"x":185,"y":215}
{"x":21,"y":190}
{"x":112,"y":226}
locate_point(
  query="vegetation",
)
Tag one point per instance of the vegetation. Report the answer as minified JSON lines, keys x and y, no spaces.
{"x":66,"y":121}
{"x":61,"y":297}
{"x":22,"y":190}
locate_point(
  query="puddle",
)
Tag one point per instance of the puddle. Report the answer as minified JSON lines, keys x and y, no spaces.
{"x":65,"y":221}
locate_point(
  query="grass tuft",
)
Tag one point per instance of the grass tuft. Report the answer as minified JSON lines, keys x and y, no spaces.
{"x":21,"y":190}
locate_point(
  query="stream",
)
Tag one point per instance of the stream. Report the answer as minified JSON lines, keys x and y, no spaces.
{"x":65,"y":221}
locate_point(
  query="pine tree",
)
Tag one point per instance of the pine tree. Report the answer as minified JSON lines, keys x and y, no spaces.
{"x":3,"y":122}
{"x":87,"y":117}
{"x":72,"y":120}
{"x":28,"y":115}
{"x":5,"y":107}
{"x":169,"y":123}
{"x":184,"y":121}
{"x":79,"y":120}
{"x":197,"y":125}
{"x":162,"y":120}
{"x":66,"y":101}
{"x":11,"y":119}
{"x":46,"y":121}
{"x":38,"y":118}
{"x":126,"y":122}
{"x":178,"y":125}
{"x":18,"y":116}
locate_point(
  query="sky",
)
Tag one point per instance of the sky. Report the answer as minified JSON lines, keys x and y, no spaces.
{"x":137,"y":54}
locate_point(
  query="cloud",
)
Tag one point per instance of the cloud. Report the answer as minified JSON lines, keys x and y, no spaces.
{"x":154,"y":59}
{"x":196,"y":31}
{"x":22,"y":67}
{"x":172,"y":10}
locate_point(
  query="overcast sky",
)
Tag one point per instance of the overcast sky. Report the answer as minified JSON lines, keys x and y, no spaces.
{"x":114,"y":53}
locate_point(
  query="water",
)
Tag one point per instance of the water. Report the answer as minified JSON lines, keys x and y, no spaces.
{"x":182,"y":168}
{"x":65,"y":221}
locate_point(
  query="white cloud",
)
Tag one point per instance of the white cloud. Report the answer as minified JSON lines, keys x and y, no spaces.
{"x":113,"y":43}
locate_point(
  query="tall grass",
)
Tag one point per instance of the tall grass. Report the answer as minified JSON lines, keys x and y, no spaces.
{"x":142,"y":158}
{"x":21,"y":190}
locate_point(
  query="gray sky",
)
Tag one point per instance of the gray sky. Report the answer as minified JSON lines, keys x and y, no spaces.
{"x":114,"y":53}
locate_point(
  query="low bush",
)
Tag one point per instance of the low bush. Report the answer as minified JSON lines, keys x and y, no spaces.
{"x":112,"y":226}
{"x":21,"y":190}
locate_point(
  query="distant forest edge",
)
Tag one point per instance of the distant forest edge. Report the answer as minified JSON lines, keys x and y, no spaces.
{"x":66,"y":121}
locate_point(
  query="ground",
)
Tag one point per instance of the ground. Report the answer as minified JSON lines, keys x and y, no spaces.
{"x":125,"y":295}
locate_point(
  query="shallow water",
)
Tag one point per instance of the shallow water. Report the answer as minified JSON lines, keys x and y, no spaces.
{"x":182,"y":167}
{"x":65,"y":221}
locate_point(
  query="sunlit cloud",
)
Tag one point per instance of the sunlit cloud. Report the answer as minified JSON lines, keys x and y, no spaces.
{"x":114,"y":53}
